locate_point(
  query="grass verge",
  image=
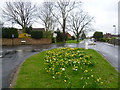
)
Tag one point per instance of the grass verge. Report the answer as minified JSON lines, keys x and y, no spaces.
{"x":73,"y":41}
{"x":69,"y":41}
{"x":34,"y":71}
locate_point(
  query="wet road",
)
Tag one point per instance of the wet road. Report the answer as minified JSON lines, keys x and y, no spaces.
{"x":15,"y":55}
{"x":109,"y":51}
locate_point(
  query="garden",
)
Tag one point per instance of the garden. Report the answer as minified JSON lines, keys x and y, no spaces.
{"x":66,"y":68}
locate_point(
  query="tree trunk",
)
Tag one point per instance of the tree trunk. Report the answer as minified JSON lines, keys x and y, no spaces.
{"x":64,"y":29}
{"x":23,"y":29}
{"x":77,"y":38}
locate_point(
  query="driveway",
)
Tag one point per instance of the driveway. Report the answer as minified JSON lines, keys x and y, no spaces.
{"x":15,"y":55}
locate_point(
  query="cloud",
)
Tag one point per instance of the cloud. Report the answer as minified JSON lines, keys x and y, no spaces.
{"x":105,"y":13}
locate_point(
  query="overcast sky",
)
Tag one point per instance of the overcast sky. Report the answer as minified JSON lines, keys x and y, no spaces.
{"x":105,"y":13}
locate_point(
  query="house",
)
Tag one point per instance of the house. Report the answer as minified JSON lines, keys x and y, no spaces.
{"x":68,"y":35}
{"x":107,"y":35}
{"x":38,"y":29}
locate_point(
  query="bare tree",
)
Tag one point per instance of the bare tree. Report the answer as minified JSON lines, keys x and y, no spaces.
{"x":20,"y":12}
{"x":63,"y":8}
{"x":79,"y":23}
{"x":45,"y":14}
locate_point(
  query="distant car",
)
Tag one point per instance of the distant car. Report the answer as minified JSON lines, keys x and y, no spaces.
{"x":95,"y":40}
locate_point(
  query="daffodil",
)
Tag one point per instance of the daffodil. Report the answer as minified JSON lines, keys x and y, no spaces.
{"x":53,"y":77}
{"x":98,"y":80}
{"x":63,"y":69}
{"x":52,"y":68}
{"x":65,"y":81}
{"x":91,"y":75}
{"x":86,"y":71}
{"x":81,"y":78}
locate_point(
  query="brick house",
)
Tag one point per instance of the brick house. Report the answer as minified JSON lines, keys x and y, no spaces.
{"x":107,"y":35}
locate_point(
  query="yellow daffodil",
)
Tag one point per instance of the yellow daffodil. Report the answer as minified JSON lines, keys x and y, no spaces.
{"x":91,"y":75}
{"x":86,"y":71}
{"x":65,"y":81}
{"x":52,"y":68}
{"x":98,"y":80}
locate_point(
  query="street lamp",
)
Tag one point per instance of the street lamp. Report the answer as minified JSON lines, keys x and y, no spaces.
{"x":115,"y":28}
{"x":12,"y":39}
{"x":115,"y":33}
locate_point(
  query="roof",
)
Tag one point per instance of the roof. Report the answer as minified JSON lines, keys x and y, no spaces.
{"x":38,"y":29}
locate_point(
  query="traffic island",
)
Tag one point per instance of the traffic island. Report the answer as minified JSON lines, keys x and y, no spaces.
{"x":66,"y":68}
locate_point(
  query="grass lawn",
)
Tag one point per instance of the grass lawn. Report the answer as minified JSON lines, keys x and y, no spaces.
{"x":73,"y":41}
{"x":69,"y":41}
{"x":67,"y":68}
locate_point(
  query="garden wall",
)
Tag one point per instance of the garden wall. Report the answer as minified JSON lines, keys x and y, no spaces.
{"x":25,"y":41}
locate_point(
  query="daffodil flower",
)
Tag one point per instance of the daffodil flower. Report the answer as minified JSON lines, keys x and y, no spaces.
{"x":63,"y":69}
{"x":53,"y":77}
{"x":65,"y":81}
{"x":91,"y":75}
{"x":98,"y":80}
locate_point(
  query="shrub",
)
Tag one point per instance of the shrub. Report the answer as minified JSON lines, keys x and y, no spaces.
{"x":60,"y":36}
{"x":37,"y":34}
{"x":28,"y":29}
{"x":8,"y":32}
{"x":23,"y":35}
{"x":53,"y":40}
{"x":113,"y":38}
{"x":102,"y":40}
{"x":98,"y":35}
{"x":73,"y":38}
{"x":47,"y":34}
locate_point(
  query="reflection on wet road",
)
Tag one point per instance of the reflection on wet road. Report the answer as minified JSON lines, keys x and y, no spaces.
{"x":15,"y":55}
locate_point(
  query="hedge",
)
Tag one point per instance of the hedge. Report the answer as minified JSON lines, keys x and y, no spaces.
{"x":8,"y":32}
{"x":36,"y":34}
{"x":47,"y":34}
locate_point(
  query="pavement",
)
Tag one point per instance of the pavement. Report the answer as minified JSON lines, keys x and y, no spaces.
{"x":13,"y":56}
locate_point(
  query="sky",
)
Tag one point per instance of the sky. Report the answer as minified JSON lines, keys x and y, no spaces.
{"x":105,"y":13}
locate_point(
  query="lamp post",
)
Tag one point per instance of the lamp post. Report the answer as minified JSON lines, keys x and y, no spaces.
{"x":115,"y":29}
{"x":115,"y":33}
{"x":12,"y":39}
